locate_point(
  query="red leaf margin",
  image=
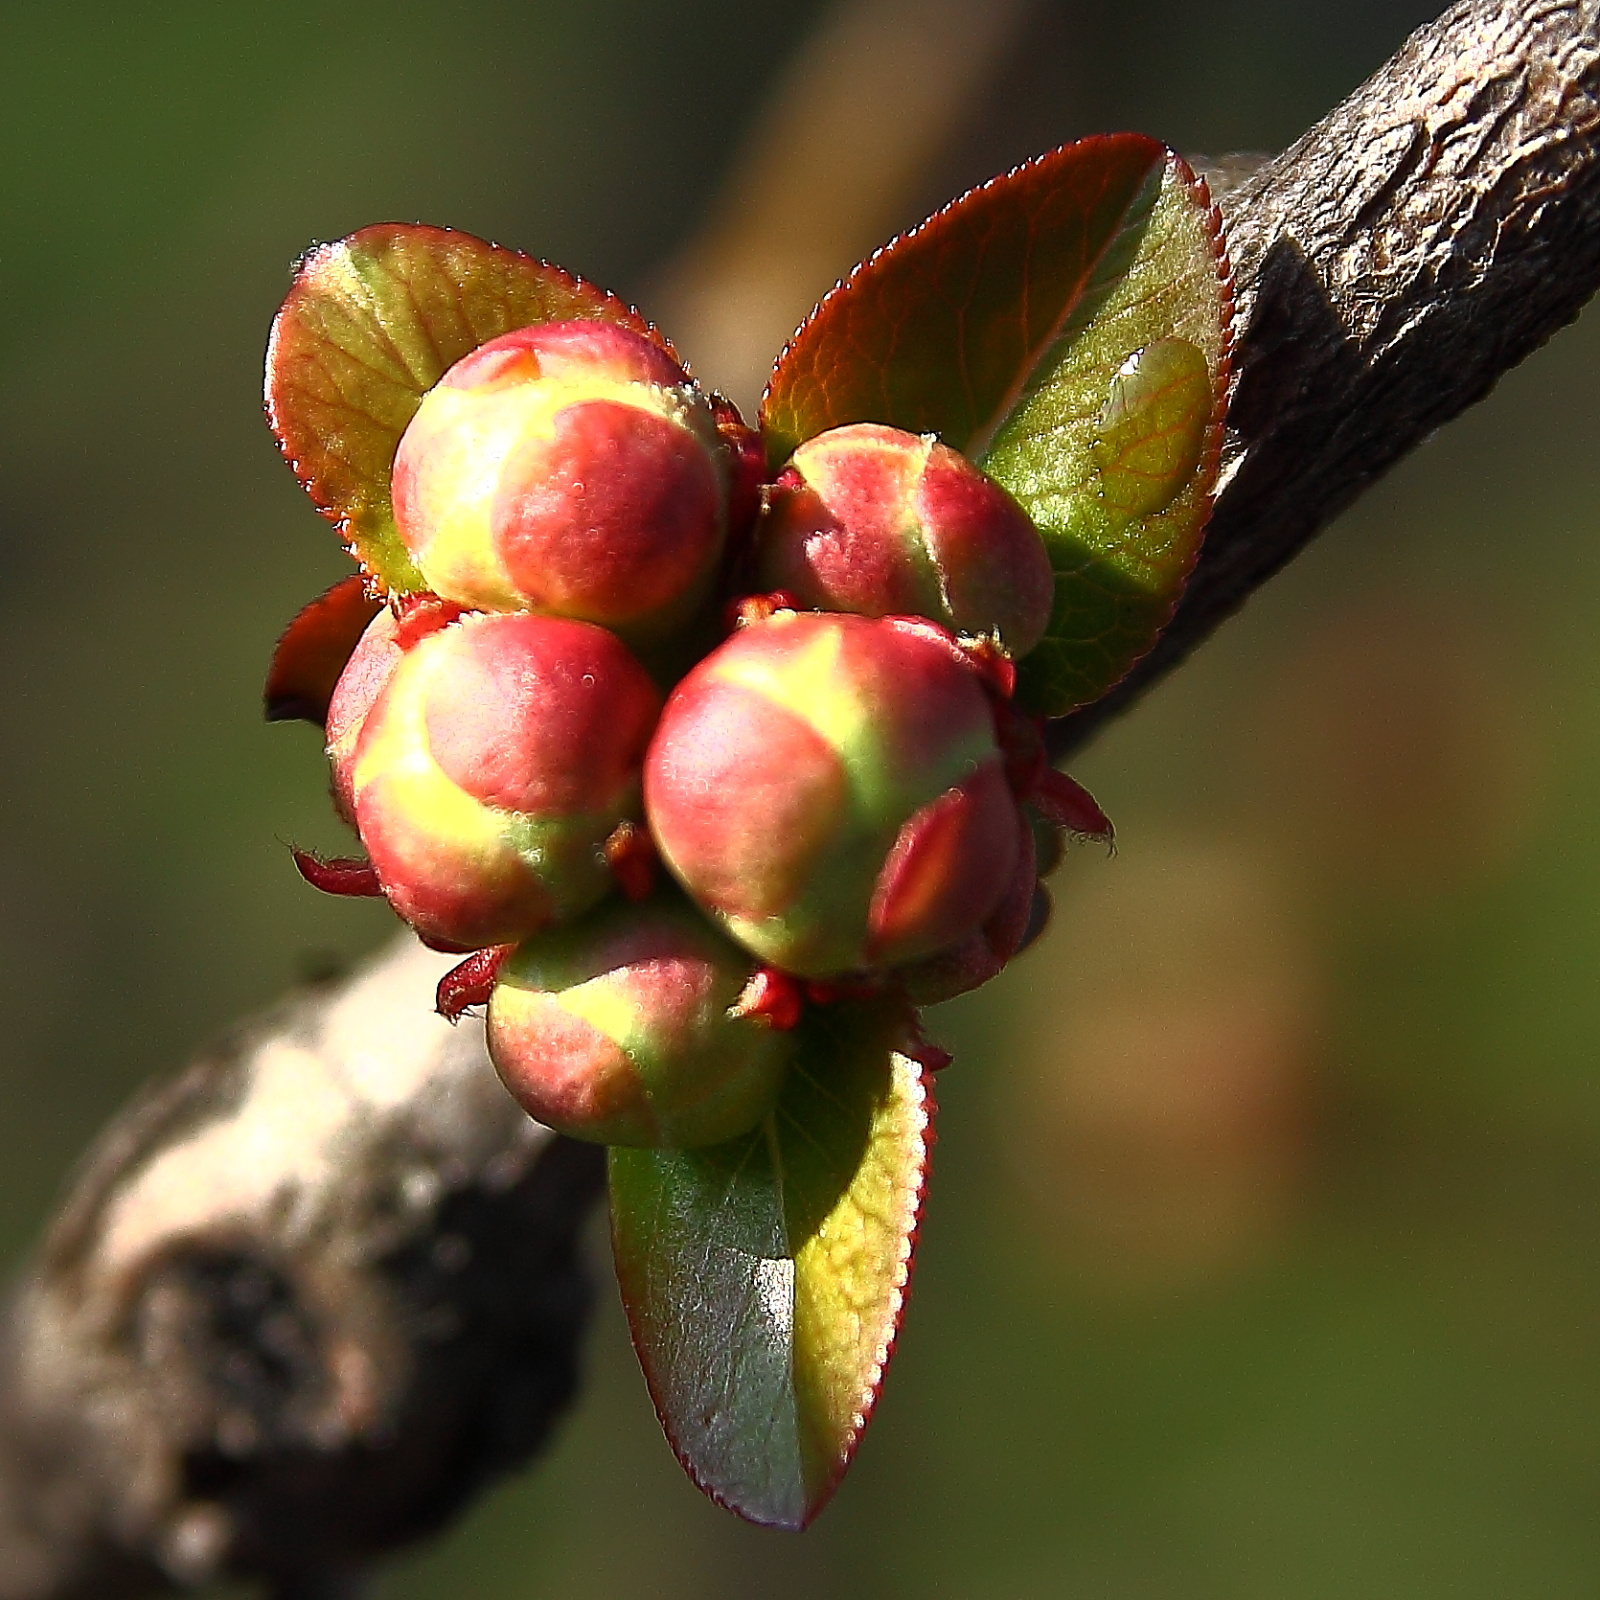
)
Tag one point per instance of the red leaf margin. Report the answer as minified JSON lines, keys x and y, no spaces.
{"x":928,"y":1108}
{"x":839,"y":302}
{"x":316,"y":466}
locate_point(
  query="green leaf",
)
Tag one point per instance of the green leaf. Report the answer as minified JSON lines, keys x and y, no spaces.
{"x":764,"y":1278}
{"x":369,"y":326}
{"x":1114,"y":448}
{"x":1151,"y":431}
{"x":1004,"y":324}
{"x":938,"y":331}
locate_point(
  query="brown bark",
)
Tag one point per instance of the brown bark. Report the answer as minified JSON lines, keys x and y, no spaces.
{"x":299,"y":1305}
{"x":303,"y":1301}
{"x":1419,"y":241}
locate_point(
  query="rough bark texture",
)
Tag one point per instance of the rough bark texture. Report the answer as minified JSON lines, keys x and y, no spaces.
{"x":1421,"y":240}
{"x":303,"y":1301}
{"x":300,"y":1304}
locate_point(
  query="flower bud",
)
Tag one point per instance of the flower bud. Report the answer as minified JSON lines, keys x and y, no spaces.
{"x":370,"y":666}
{"x":571,"y":468}
{"x":873,"y":520}
{"x":493,"y":765}
{"x":829,"y":787}
{"x":985,"y":951}
{"x":621,"y":1028}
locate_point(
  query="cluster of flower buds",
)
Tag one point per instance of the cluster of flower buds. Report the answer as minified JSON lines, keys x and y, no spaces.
{"x":838,"y":787}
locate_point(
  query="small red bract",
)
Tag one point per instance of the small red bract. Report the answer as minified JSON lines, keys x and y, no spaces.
{"x":469,"y":984}
{"x":341,"y":875}
{"x":776,"y":997}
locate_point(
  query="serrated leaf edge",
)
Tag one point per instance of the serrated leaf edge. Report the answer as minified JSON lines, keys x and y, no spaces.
{"x":927,"y":1107}
{"x":1223,"y":384}
{"x":1210,"y":462}
{"x":318,"y":255}
{"x":848,"y":281}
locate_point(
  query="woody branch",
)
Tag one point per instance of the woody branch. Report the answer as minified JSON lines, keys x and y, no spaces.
{"x":301,"y":1303}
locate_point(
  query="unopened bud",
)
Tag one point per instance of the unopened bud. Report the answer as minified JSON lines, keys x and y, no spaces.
{"x":572,"y":469}
{"x":493,"y":766}
{"x":873,"y":520}
{"x":829,"y":787}
{"x":625,"y":1028}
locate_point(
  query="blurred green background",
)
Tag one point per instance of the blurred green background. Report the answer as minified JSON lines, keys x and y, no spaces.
{"x":1261,"y":1258}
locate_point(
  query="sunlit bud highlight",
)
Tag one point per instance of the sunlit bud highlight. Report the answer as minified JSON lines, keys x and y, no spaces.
{"x":494,"y":765}
{"x":572,"y":469}
{"x":625,"y":1028}
{"x":377,"y":653}
{"x":873,"y":520}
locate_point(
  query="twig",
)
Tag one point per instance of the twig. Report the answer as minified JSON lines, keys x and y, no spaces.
{"x":300,"y":1304}
{"x":1389,"y":266}
{"x":303,"y":1302}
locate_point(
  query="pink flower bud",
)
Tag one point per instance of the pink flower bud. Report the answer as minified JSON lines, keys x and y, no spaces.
{"x":985,"y":951}
{"x":872,"y":520}
{"x":572,"y":469}
{"x":377,"y":653}
{"x":493,"y":766}
{"x":624,"y":1028}
{"x":829,"y":787}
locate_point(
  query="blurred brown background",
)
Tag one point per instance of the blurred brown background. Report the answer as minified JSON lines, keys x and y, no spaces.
{"x":1261,"y":1259}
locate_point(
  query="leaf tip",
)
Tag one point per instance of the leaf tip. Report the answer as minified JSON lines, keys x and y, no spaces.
{"x":312,"y":651}
{"x":923,"y":1111}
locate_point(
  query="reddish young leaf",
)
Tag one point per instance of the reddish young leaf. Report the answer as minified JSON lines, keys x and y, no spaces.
{"x":310,"y":655}
{"x":369,"y":326}
{"x":764,"y":1278}
{"x":1114,"y":451}
{"x":1067,"y":326}
{"x":941,"y":330}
